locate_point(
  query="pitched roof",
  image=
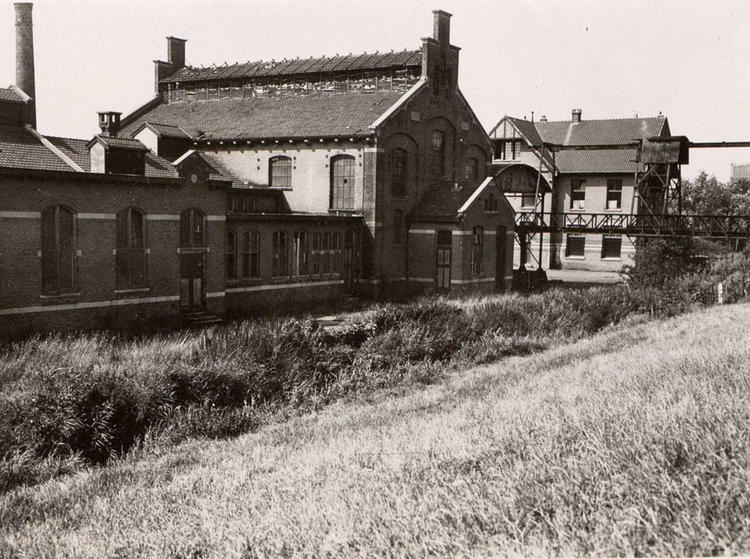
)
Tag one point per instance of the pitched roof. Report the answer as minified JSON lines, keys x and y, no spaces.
{"x":78,"y":151}
{"x":298,"y":66}
{"x":19,"y":149}
{"x":442,"y":200}
{"x":166,"y":130}
{"x":600,"y":132}
{"x":10,"y":94}
{"x":281,"y":117}
{"x":118,"y":142}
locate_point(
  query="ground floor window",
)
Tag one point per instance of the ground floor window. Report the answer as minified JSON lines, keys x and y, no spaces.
{"x":611,"y":246}
{"x":231,"y":256}
{"x":477,"y":249}
{"x":280,"y":266}
{"x":58,"y":250}
{"x":300,"y":253}
{"x":250,"y":255}
{"x":575,"y":246}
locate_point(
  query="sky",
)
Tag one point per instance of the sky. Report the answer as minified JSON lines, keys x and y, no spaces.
{"x":612,"y":59}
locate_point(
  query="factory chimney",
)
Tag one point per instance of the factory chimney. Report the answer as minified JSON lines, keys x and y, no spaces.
{"x":25,"y":58}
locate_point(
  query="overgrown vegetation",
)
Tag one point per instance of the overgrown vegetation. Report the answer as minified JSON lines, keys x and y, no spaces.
{"x":75,"y":400}
{"x":632,"y":442}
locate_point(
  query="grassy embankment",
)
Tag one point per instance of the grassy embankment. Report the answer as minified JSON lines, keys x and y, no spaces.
{"x":633,"y":441}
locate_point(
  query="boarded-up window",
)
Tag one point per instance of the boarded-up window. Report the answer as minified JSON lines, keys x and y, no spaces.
{"x":575,"y":245}
{"x":611,"y":246}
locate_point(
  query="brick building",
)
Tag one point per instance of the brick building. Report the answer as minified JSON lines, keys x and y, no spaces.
{"x":598,"y":180}
{"x":249,"y":185}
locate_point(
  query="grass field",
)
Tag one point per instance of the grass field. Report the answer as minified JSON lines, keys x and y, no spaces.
{"x":631,"y":442}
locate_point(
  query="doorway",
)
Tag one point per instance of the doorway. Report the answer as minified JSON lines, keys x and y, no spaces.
{"x":193,"y":282}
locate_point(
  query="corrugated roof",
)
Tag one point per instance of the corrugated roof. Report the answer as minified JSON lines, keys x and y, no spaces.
{"x":284,"y":117}
{"x":599,"y":132}
{"x":298,"y":66}
{"x":19,"y":149}
{"x":8,"y":94}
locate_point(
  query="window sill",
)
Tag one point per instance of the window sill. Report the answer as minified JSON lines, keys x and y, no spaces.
{"x":342,"y":211}
{"x":132,"y":291}
{"x":192,"y":250}
{"x":577,"y":210}
{"x":611,"y":259}
{"x":617,"y":210}
{"x":280,"y":188}
{"x":60,"y":296}
{"x":575,"y":258}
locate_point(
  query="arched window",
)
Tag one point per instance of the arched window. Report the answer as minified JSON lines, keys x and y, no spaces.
{"x":131,"y":249}
{"x":58,"y":250}
{"x":472,"y":169}
{"x":280,"y":267}
{"x":280,"y":171}
{"x":300,"y":253}
{"x":250,"y":255}
{"x":231,"y":256}
{"x":342,"y":182}
{"x":399,"y":166}
{"x":477,"y":250}
{"x":398,"y":227}
{"x":437,"y":153}
{"x":192,"y":228}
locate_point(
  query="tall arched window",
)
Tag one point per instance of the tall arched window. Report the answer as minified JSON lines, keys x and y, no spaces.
{"x":399,"y":166}
{"x":477,"y":250}
{"x":58,"y":250}
{"x":280,"y":171}
{"x":131,"y":249}
{"x":250,"y":255}
{"x":300,"y":253}
{"x":280,"y":267}
{"x":472,"y":169}
{"x":192,"y":228}
{"x":342,"y":182}
{"x":437,"y":153}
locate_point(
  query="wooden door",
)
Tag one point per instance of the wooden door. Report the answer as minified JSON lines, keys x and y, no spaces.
{"x":192,"y":282}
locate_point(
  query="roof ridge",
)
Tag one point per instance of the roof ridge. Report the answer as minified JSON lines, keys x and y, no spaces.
{"x":657,"y":117}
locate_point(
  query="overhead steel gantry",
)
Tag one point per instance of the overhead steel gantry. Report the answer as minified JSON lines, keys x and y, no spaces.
{"x":657,"y":194}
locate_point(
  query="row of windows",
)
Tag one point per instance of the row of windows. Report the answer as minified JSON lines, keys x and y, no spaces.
{"x":309,"y":254}
{"x":341,"y":178}
{"x":59,"y":240}
{"x":508,"y":150}
{"x":575,"y":246}
{"x":578,"y":194}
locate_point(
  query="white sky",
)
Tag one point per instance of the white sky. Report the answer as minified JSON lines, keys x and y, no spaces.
{"x":610,"y":58}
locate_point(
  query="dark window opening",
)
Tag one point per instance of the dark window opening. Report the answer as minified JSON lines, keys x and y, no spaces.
{"x":575,"y":245}
{"x":437,"y":153}
{"x":192,"y":228}
{"x":611,"y":246}
{"x":477,"y":250}
{"x":399,"y":167}
{"x":58,"y":250}
{"x":130,"y":262}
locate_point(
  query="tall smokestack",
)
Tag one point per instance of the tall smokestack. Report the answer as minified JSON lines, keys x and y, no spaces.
{"x":25,"y":57}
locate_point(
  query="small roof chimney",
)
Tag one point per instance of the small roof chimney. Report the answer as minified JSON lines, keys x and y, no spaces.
{"x":543,"y":119}
{"x":109,"y":122}
{"x":25,"y":58}
{"x":176,"y":52}
{"x":441,"y":26}
{"x":577,"y":115}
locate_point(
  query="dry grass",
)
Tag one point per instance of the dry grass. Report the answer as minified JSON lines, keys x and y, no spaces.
{"x":632,"y":442}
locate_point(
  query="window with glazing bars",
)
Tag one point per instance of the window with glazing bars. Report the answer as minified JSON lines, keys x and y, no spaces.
{"x":250,"y":255}
{"x":477,"y":250}
{"x":342,"y":182}
{"x":280,"y":266}
{"x":192,"y":228}
{"x":437,"y":153}
{"x":300,"y":253}
{"x":231,"y":256}
{"x":472,"y":169}
{"x":280,"y":171}
{"x":130,"y":261}
{"x":614,"y":194}
{"x":577,"y":194}
{"x":58,"y":250}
